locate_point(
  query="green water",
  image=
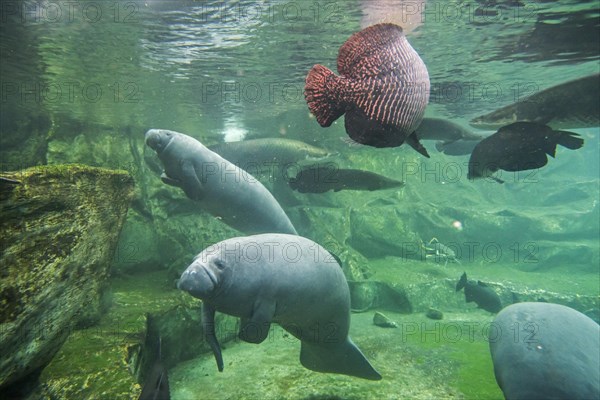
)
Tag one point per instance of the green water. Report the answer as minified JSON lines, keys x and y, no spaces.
{"x":81,"y":82}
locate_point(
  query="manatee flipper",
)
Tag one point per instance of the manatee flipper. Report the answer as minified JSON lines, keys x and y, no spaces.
{"x":169,"y":181}
{"x":190,"y":184}
{"x":208,"y":325}
{"x":340,"y":358}
{"x":256,"y":328}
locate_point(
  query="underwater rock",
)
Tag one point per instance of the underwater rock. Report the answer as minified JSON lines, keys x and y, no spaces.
{"x":329,"y":227}
{"x":60,"y":227}
{"x":372,"y":294}
{"x":111,"y":359}
{"x":383,"y":321}
{"x":367,"y":225}
{"x":432,"y":313}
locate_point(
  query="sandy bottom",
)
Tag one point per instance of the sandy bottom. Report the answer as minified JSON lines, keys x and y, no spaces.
{"x":421,"y":359}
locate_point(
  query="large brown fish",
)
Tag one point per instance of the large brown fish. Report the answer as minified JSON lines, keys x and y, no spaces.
{"x":321,"y":178}
{"x":383,"y":89}
{"x":518,"y":147}
{"x":573,"y":104}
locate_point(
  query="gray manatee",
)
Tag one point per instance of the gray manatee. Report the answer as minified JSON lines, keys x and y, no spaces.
{"x":545,"y":351}
{"x":285,"y":279}
{"x":222,"y":189}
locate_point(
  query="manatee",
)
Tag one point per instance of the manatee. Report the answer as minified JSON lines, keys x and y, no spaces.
{"x":285,"y":279}
{"x":545,"y":351}
{"x":221,"y":188}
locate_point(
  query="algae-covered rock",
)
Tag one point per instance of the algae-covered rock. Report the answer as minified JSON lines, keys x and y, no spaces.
{"x":382,"y":320}
{"x":60,"y":226}
{"x":329,"y":227}
{"x":380,"y":231}
{"x":366,"y":295}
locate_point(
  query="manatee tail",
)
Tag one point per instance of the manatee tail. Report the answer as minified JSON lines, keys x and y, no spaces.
{"x":338,"y":358}
{"x":321,"y":84}
{"x":569,"y":140}
{"x":461,"y":282}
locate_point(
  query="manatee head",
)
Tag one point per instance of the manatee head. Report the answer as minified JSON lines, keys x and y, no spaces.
{"x":158,"y":139}
{"x":204,"y":278}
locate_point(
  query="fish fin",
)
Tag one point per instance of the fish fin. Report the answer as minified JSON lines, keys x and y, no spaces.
{"x":208,"y":325}
{"x":319,"y":92}
{"x":461,"y":282}
{"x":482,"y":284}
{"x":350,"y":142}
{"x":496,"y":179}
{"x":256,"y":328}
{"x":570,"y":140}
{"x":339,"y":358}
{"x":413,"y":141}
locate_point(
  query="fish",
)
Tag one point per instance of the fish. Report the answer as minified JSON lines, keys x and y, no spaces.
{"x":456,"y":148}
{"x":444,"y":130}
{"x":383,"y":89}
{"x":573,"y":104}
{"x":452,"y":138}
{"x":321,"y":178}
{"x":264,"y":154}
{"x":518,"y":147}
{"x":156,"y":384}
{"x":479,"y":293}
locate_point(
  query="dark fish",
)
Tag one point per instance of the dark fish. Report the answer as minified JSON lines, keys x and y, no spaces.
{"x":267,"y":153}
{"x":573,"y":104}
{"x":480,"y":293}
{"x":156,"y":384}
{"x":321,"y":178}
{"x":518,"y":147}
{"x":383,"y":88}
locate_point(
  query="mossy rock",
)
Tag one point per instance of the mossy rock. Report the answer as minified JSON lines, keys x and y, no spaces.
{"x":60,"y":225}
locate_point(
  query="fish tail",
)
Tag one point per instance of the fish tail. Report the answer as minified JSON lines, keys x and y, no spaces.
{"x":319,"y":91}
{"x":461,"y":282}
{"x":570,"y":140}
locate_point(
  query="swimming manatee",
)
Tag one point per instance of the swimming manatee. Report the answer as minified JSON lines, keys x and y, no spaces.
{"x":221,"y":188}
{"x":545,"y":351}
{"x":285,"y":279}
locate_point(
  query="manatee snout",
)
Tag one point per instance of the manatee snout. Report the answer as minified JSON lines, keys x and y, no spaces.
{"x":157,"y":139}
{"x":197,"y":280}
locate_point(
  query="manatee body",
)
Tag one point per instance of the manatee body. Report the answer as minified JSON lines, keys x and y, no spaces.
{"x":222,"y":189}
{"x":285,"y":279}
{"x":545,"y":351}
